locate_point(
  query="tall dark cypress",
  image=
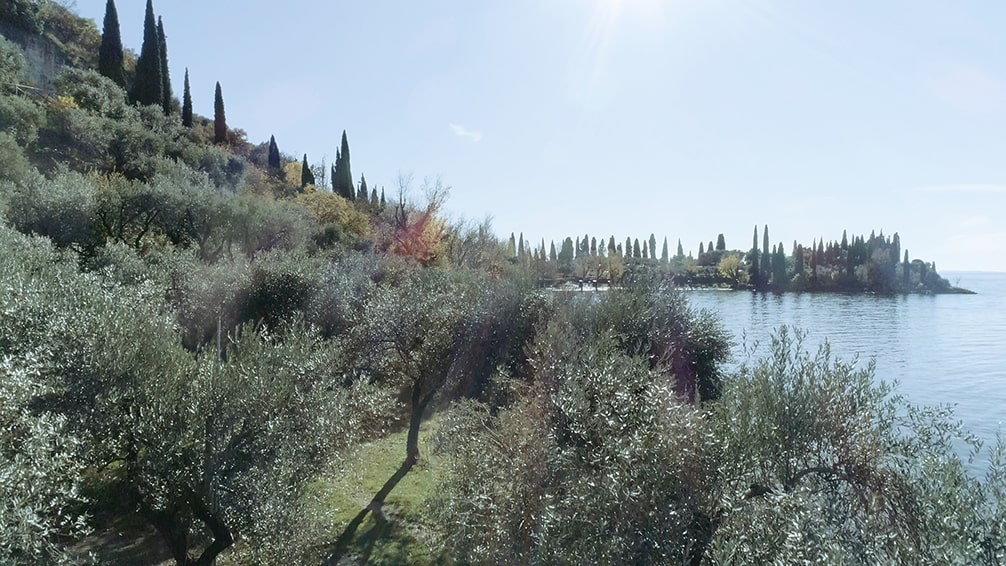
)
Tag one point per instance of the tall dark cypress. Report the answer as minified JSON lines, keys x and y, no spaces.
{"x":362,"y":193}
{"x":187,"y":103}
{"x":374,"y":201}
{"x":306,"y":175}
{"x":779,"y":276}
{"x":148,"y":88}
{"x":813,"y":264}
{"x":346,"y":175}
{"x":110,"y":52}
{"x":798,"y":261}
{"x":162,"y":45}
{"x":907,"y":271}
{"x":219,"y":117}
{"x":766,"y":259}
{"x":383,"y":202}
{"x":274,"y":160}
{"x":339,"y":185}
{"x":753,"y":255}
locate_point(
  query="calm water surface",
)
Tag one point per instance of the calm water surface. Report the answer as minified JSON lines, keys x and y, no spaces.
{"x":941,"y":349}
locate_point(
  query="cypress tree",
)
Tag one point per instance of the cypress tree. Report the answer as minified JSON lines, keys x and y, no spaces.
{"x":382,"y":197}
{"x":363,"y":193}
{"x":681,"y":250}
{"x":663,"y":252}
{"x":110,"y":52}
{"x":274,"y":159}
{"x":766,"y":258}
{"x":342,"y":164}
{"x":219,"y":117}
{"x":512,"y":246}
{"x":798,"y":261}
{"x":148,"y":87}
{"x":306,"y":175}
{"x":702,"y":250}
{"x":187,"y":103}
{"x":721,"y":243}
{"x":779,"y":275}
{"x":628,"y":247}
{"x":551,"y":251}
{"x":907,"y":271}
{"x":645,"y":251}
{"x":162,"y":45}
{"x":611,"y":245}
{"x":755,"y":264}
{"x":374,"y":201}
{"x":636,"y":253}
{"x":520,"y":245}
{"x":653,"y":246}
{"x":813,"y":264}
{"x":565,"y":257}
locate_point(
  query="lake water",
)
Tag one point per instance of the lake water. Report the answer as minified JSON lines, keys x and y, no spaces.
{"x":942,"y":349}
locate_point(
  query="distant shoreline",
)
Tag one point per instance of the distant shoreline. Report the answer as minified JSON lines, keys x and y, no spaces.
{"x":570,"y":286}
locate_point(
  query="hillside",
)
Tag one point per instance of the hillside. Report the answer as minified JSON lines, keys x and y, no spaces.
{"x":225,"y":354}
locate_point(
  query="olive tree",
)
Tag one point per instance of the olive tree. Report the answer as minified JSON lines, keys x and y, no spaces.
{"x":410,"y":333}
{"x":203,"y":447}
{"x":820,"y":463}
{"x":607,"y":465}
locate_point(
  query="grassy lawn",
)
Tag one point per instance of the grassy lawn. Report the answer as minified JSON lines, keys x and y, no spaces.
{"x":408,"y":536}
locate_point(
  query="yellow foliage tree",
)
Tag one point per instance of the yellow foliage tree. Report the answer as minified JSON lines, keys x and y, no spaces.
{"x":330,"y":208}
{"x":730,"y":267}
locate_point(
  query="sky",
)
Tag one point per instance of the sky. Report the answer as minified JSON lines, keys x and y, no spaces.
{"x":680,"y":118}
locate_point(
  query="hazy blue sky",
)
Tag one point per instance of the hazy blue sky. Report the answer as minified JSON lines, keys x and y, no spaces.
{"x":683,"y":118}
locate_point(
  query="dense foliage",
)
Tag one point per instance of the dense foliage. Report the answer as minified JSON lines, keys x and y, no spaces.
{"x":196,"y":333}
{"x":871,"y":264}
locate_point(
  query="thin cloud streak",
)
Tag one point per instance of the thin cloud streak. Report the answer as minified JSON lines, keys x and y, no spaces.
{"x":463,"y":132}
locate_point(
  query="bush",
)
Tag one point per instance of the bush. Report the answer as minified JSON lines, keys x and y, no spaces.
{"x":62,"y":208}
{"x":20,"y":118}
{"x":820,"y":464}
{"x":608,"y":466}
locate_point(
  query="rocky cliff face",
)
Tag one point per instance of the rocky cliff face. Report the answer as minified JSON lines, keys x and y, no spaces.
{"x":43,"y":60}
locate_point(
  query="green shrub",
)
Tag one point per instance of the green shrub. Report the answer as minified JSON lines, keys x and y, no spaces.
{"x":62,"y":209}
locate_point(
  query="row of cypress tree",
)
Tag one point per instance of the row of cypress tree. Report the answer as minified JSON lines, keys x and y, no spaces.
{"x":152,"y":86}
{"x":152,"y":80}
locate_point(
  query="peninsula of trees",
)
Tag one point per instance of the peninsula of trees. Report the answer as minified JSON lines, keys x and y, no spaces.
{"x":860,"y":265}
{"x":215,"y":352}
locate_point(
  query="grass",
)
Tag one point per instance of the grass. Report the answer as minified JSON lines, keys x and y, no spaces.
{"x":408,"y":536}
